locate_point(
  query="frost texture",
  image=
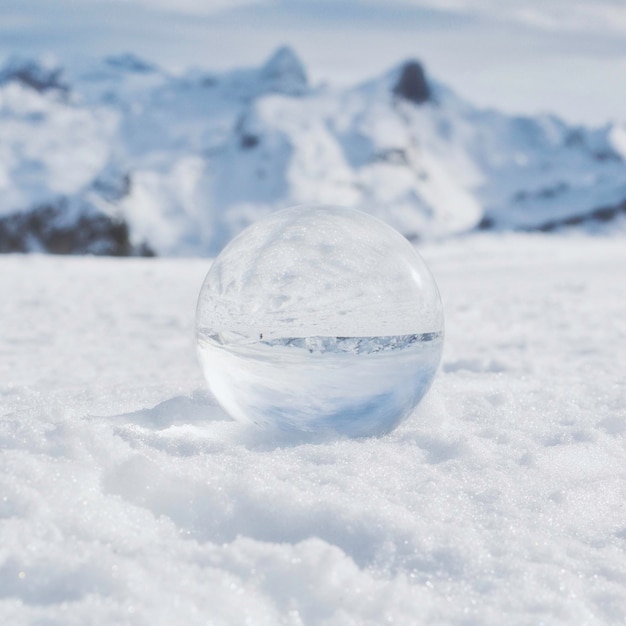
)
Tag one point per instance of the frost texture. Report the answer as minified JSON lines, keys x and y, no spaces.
{"x":320,"y":318}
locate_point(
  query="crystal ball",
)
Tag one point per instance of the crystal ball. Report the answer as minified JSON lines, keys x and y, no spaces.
{"x":320,"y":319}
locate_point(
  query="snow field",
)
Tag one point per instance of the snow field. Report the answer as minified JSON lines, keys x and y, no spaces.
{"x":128,"y":497}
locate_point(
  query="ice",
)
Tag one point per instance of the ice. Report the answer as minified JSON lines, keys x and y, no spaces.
{"x":320,"y":319}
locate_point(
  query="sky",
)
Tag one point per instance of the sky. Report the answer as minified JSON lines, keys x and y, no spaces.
{"x":562,"y":56}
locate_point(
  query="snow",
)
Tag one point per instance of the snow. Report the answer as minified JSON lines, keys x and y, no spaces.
{"x":206,"y":153}
{"x":127,"y":496}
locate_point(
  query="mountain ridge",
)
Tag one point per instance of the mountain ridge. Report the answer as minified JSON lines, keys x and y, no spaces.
{"x":184,"y":162}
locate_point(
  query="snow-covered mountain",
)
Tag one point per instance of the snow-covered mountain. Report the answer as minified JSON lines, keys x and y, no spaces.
{"x":121,"y":157}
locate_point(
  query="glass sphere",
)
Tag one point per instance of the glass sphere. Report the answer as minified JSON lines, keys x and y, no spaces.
{"x":320,"y":318}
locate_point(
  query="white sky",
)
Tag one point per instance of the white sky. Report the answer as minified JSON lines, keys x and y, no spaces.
{"x":565,"y":56}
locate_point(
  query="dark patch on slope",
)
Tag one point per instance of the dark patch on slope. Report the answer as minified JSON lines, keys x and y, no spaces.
{"x":412,"y":84}
{"x":602,"y":214}
{"x":47,"y":229}
{"x":33,"y":75}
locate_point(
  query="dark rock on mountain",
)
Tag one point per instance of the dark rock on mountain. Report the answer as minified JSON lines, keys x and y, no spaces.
{"x":606,"y":155}
{"x":33,"y":75}
{"x":576,"y":139}
{"x":599,"y":215}
{"x":131,"y":63}
{"x":412,"y":83}
{"x":112,"y":185}
{"x":48,"y":229}
{"x":393,"y":156}
{"x":602,"y":214}
{"x":247,"y":141}
{"x":486,"y":223}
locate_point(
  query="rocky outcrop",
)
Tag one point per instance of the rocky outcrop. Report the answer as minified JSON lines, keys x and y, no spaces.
{"x":600,"y":215}
{"x":128,"y":62}
{"x":33,"y":75}
{"x":412,"y":84}
{"x":55,"y":229}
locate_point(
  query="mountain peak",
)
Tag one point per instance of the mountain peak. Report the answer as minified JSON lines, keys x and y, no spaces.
{"x":411,"y":83}
{"x":129,"y":62}
{"x":285,"y":72}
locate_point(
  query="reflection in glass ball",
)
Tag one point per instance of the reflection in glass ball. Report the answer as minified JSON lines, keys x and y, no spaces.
{"x":318,"y":319}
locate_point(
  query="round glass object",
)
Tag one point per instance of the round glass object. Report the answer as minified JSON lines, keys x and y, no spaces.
{"x":320,"y":319}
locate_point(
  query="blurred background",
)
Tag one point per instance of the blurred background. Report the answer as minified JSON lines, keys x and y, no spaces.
{"x":163,"y":127}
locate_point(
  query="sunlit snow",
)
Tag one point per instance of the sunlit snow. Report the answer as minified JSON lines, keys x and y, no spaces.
{"x":128,"y":496}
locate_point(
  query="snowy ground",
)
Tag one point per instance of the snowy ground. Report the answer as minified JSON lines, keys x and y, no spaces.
{"x":127,"y":496}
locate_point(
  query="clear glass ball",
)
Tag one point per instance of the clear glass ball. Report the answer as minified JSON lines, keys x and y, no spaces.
{"x":320,"y":318}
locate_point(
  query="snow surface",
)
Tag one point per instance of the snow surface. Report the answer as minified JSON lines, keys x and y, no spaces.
{"x":128,"y":497}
